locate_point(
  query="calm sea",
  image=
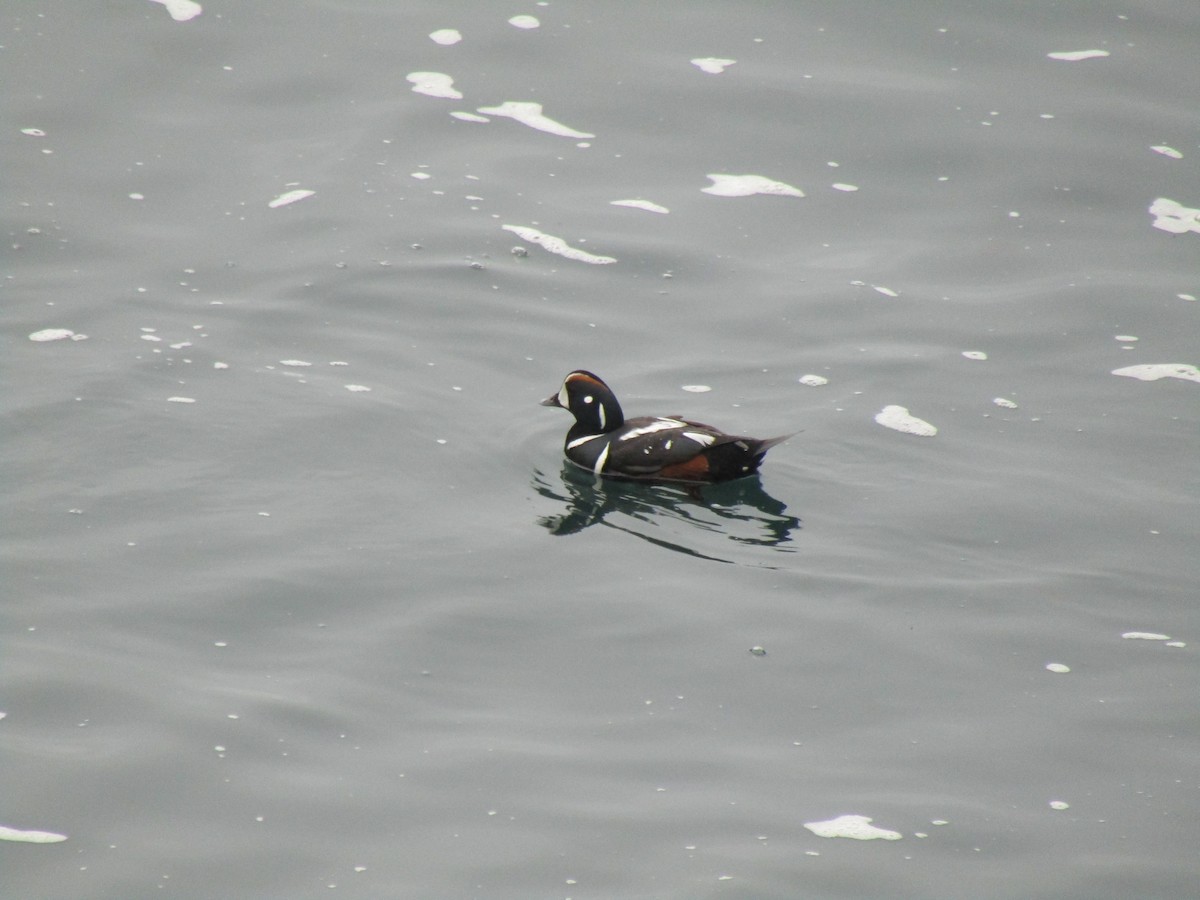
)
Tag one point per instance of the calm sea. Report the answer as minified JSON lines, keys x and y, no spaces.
{"x":299,"y":599}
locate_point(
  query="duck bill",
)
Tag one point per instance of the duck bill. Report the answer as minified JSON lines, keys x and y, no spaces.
{"x":552,"y":400}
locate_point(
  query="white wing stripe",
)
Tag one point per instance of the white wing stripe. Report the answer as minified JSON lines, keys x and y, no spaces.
{"x":656,"y":425}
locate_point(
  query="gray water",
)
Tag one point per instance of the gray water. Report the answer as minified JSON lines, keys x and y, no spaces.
{"x":295,"y":638}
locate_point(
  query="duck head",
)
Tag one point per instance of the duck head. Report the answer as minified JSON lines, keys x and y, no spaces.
{"x":590,"y":401}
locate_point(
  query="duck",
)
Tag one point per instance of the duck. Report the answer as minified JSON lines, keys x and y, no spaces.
{"x":649,"y":448}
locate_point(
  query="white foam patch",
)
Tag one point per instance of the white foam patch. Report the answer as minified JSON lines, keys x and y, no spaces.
{"x":557,"y":245}
{"x":1006,"y":404}
{"x":696,"y":388}
{"x":1173,"y":217}
{"x":469,"y":117}
{"x":848,"y":188}
{"x":33,"y":132}
{"x":713,"y":65}
{"x":181,"y":399}
{"x":525,"y":22}
{"x":813,"y":380}
{"x":434,"y":84}
{"x":1077,"y":55}
{"x":445,"y":36}
{"x":1189,"y":297}
{"x":886,"y":291}
{"x":52,"y":334}
{"x":974,"y":354}
{"x":640,"y":204}
{"x":746,"y":185}
{"x":30,"y":837}
{"x":1059,"y":805}
{"x":181,"y":10}
{"x":898,"y":419}
{"x":294,"y":362}
{"x":1167,"y":151}
{"x":1145,"y":636}
{"x":1125,"y":338}
{"x":530,"y":114}
{"x":857,"y":827}
{"x":289,"y":197}
{"x":1155,"y":371}
{"x":357,"y":388}
{"x":1057,"y":668}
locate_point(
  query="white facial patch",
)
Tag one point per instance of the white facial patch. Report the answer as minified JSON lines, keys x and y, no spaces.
{"x":563,"y":399}
{"x":704,"y":440}
{"x":603,"y":417}
{"x":656,"y":425}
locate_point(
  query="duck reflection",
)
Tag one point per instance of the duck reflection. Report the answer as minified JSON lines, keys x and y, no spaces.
{"x":740,"y":510}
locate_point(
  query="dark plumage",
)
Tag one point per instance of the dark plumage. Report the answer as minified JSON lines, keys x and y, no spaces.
{"x":649,"y":448}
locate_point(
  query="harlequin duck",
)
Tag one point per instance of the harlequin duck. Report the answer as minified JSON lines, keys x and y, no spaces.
{"x":649,"y":448}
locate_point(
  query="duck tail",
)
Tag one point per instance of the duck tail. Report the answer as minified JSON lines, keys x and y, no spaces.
{"x":767,"y":443}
